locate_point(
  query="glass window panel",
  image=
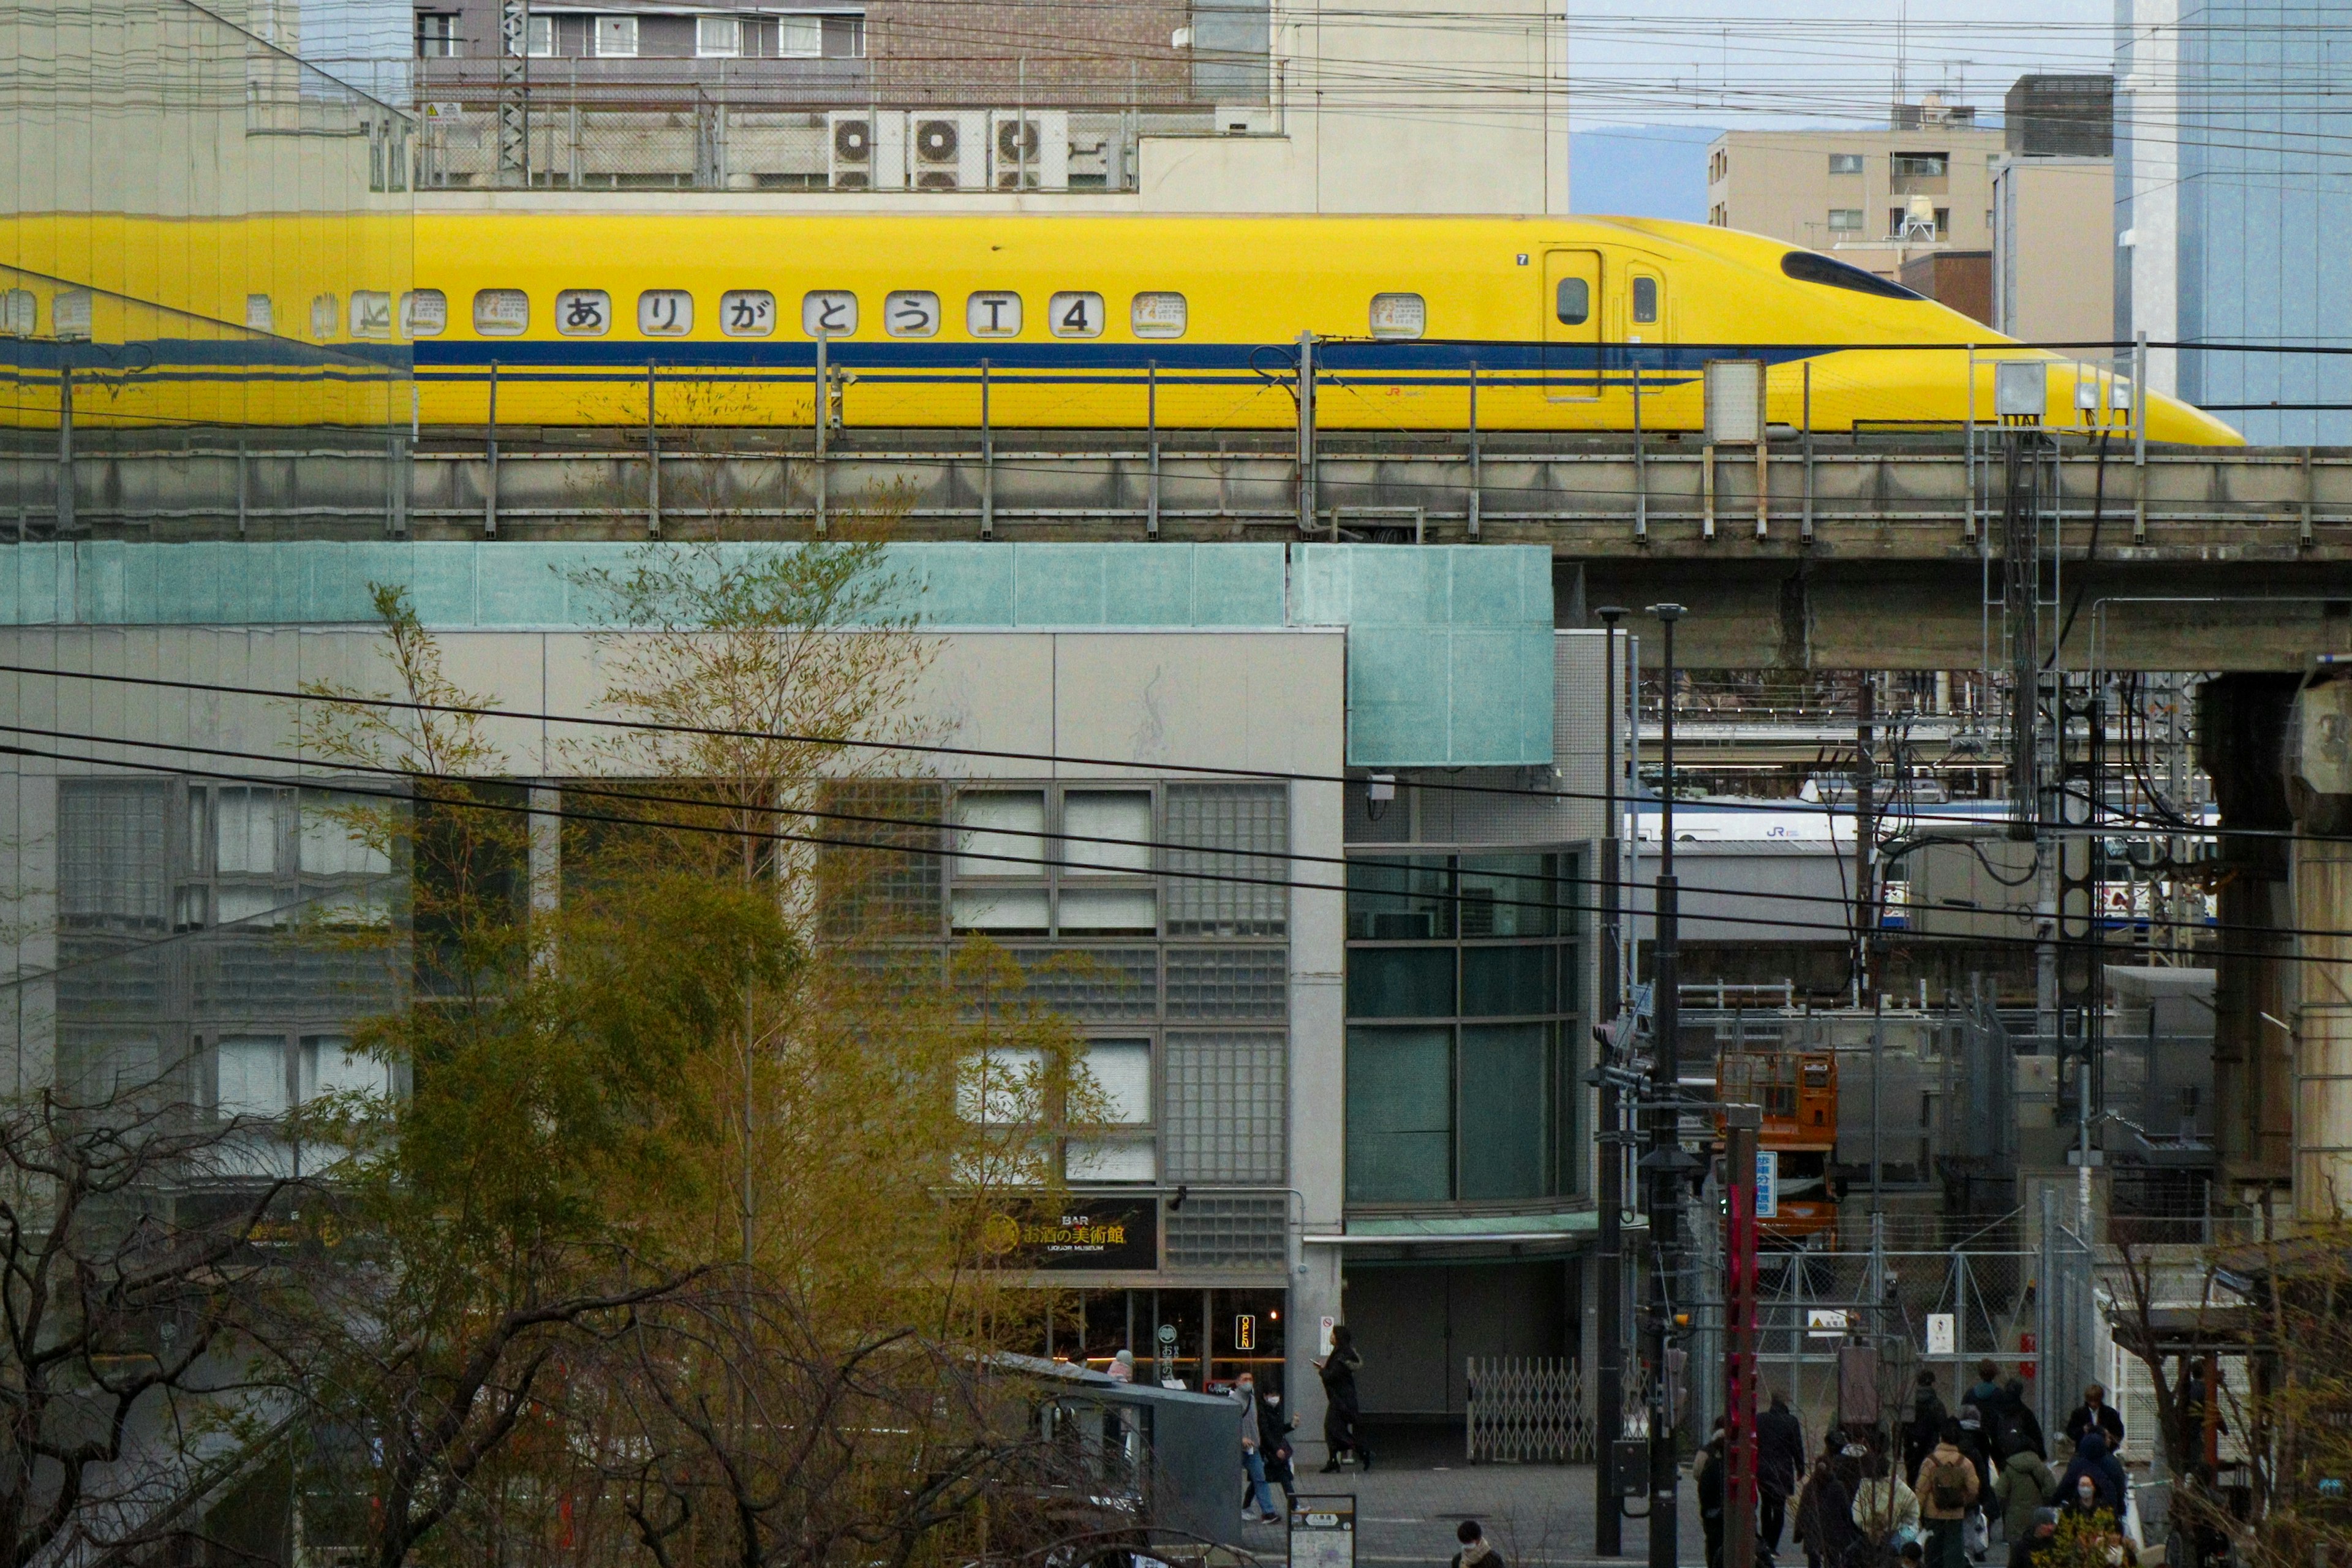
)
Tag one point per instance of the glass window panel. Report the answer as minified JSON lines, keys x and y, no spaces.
{"x":1110,"y":909}
{"x":1400,"y":983}
{"x":1122,"y":1073}
{"x":1574,"y":305}
{"x":999,"y":834}
{"x":248,"y":830}
{"x":1107,"y":832}
{"x":1646,"y":298}
{"x":1505,"y":1111}
{"x":252,"y":1075}
{"x":1504,"y":981}
{"x":1400,"y":1115}
{"x":1112,"y":1159}
{"x":1511,"y":895}
{"x":329,"y":1065}
{"x":332,"y":846}
{"x":1394,"y":900}
{"x":244,"y":901}
{"x":999,"y":908}
{"x":999,"y":1086}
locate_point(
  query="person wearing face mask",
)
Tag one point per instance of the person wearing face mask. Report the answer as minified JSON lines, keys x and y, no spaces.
{"x":1474,"y":1553}
{"x":2095,"y":1480}
{"x":1256,"y":1501}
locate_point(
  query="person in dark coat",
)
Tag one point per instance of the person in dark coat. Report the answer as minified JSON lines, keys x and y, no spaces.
{"x":2101,"y":1469}
{"x":1779,"y":1464}
{"x":1276,"y":1425}
{"x":2018,"y":1428}
{"x":1474,"y":1553}
{"x":1710,"y":1488}
{"x":1975,"y":1444}
{"x":1825,"y":1526}
{"x":2029,"y":1549}
{"x":1926,"y":1429}
{"x":2095,"y":1413}
{"x":1340,"y":1410}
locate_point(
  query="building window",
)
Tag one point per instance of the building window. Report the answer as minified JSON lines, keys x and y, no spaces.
{"x":616,"y":38}
{"x":1460,"y":1001}
{"x":718,"y":36}
{"x":800,"y":38}
{"x":1845,"y":162}
{"x":539,"y":39}
{"x":436,"y":35}
{"x":1921,"y":165}
{"x":1845,"y":220}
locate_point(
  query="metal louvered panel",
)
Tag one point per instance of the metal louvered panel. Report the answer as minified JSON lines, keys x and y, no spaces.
{"x":1226,"y":1113}
{"x":1230,"y":1230}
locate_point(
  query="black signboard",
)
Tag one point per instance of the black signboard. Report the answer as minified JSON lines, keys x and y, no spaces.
{"x":1083,"y":1231}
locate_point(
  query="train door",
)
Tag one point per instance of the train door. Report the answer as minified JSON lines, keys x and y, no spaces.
{"x":1572,"y":312}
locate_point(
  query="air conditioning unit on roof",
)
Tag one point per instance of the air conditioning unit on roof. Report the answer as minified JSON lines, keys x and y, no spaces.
{"x":946,"y":149}
{"x":1029,"y":149}
{"x":865,"y":150}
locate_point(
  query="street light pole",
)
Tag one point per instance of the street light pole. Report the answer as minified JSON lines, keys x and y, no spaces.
{"x":1665,"y":1163}
{"x":1609,"y":1393}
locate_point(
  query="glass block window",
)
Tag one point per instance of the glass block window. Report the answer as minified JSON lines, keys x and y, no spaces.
{"x":891,"y":889}
{"x":110,"y":856}
{"x":1230,"y":1230}
{"x":1225,"y":1117}
{"x":1094,"y":984}
{"x":1208,"y":983}
{"x":1228,"y":831}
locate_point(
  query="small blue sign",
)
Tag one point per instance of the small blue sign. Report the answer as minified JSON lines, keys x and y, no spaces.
{"x":1768,"y":1184}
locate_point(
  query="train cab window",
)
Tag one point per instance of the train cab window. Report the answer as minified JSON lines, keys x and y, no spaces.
{"x":1075,"y":315}
{"x":747,"y":313}
{"x":992,"y":315}
{"x":912,"y":313}
{"x":583,"y":312}
{"x":423,"y":313}
{"x":1574,"y":304}
{"x":664,"y":312}
{"x":501,"y":313}
{"x":1399,"y":316}
{"x":828,"y":312}
{"x":1158,"y":315}
{"x":1646,"y":298}
{"x":1812,"y":267}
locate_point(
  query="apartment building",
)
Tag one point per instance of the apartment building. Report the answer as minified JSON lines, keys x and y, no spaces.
{"x":2052,"y":260}
{"x":1877,"y":198}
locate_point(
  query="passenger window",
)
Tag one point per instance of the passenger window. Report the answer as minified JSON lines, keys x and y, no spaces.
{"x":992,"y":315}
{"x":1646,"y":298}
{"x":260,"y":316}
{"x":747,"y":313}
{"x":583,"y":312}
{"x":912,"y":313}
{"x":423,"y":313}
{"x":326,"y":316}
{"x":1161,"y":315}
{"x":371,"y":313}
{"x":828,"y":312}
{"x":1399,"y":316}
{"x":664,"y":312}
{"x":501,"y":313}
{"x":1075,"y":315}
{"x":1574,"y":306}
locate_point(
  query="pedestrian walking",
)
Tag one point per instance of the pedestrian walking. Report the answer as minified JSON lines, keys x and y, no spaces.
{"x":1121,"y":1368}
{"x":1274,"y":1426}
{"x":1710,"y":1488}
{"x":1780,"y":1465}
{"x":1976,"y":1530}
{"x":1474,"y":1553}
{"x":2019,"y":1429}
{"x":2094,"y":1469}
{"x":1825,"y":1526}
{"x":1340,"y":1411}
{"x":1885,"y":1510}
{"x":2029,"y":1549}
{"x":1946,"y":1489}
{"x":2025,"y":1488}
{"x":1256,"y":1501}
{"x":1926,"y":1423}
{"x":2094,"y":1414}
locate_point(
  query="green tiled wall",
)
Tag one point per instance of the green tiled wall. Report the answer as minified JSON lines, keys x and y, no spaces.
{"x":1449,"y":648}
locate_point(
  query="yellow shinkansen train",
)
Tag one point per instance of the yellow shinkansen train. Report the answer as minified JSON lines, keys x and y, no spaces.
{"x":715,"y":319}
{"x":1547,"y":324}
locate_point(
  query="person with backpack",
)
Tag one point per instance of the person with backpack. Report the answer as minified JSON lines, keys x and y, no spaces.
{"x":1926,"y":1424}
{"x":1946,"y":1489}
{"x":2019,"y":1430}
{"x":2023,"y":1488}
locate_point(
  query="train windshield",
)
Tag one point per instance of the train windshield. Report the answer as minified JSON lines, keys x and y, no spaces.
{"x":1812,"y":267}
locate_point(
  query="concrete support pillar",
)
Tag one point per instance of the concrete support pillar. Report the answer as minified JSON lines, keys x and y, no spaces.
{"x":2319,"y":789}
{"x":2242,"y":723}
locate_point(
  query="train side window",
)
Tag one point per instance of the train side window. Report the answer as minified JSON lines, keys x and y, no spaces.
{"x":1158,"y":315}
{"x":912,"y":313}
{"x":583,"y":312}
{"x":992,"y":315}
{"x":501,"y":313}
{"x":1399,"y":316}
{"x":423,"y":313}
{"x":828,"y":312}
{"x":747,"y":313}
{"x":1075,"y":315}
{"x":1574,"y":306}
{"x":371,"y":313}
{"x":664,"y":312}
{"x":1646,"y":298}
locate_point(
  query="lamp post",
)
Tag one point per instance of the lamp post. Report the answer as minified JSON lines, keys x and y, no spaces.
{"x":1608,"y":1513}
{"x":1665,"y":1163}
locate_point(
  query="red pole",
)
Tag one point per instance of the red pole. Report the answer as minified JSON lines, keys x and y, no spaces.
{"x":1741,"y":1124}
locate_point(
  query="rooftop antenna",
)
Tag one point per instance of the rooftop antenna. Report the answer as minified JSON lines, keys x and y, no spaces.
{"x":1902,"y":61}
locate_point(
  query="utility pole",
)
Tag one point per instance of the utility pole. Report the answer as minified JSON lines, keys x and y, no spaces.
{"x":514,"y":92}
{"x":1742,"y":1124}
{"x":1609,"y":1393}
{"x":1665,"y":1163}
